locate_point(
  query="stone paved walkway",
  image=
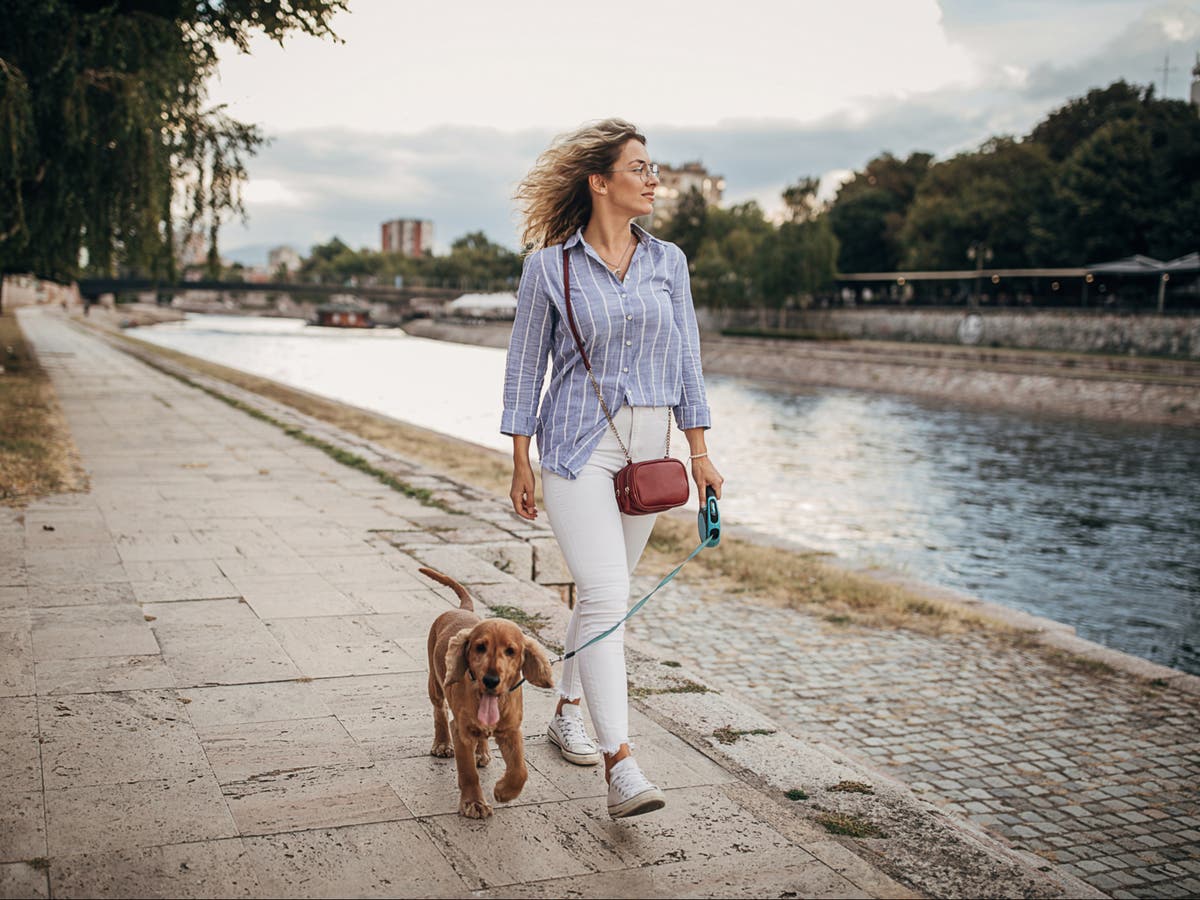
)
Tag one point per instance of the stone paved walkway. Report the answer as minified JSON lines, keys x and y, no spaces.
{"x":1095,"y":770}
{"x":212,"y":683}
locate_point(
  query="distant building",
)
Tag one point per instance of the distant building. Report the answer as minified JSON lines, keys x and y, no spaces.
{"x":674,"y":184}
{"x":284,"y":257}
{"x":408,"y":237}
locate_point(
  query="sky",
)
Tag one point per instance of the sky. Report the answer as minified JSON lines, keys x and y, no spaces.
{"x":436,"y":111}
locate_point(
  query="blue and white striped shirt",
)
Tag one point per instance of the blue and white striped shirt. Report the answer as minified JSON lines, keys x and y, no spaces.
{"x":640,"y":335}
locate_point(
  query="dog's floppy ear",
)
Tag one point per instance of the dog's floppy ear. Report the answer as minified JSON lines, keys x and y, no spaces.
{"x":456,"y":657}
{"x":536,"y":666}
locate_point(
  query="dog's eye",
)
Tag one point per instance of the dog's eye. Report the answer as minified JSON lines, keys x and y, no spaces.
{"x":481,"y":648}
{"x":509,"y":651}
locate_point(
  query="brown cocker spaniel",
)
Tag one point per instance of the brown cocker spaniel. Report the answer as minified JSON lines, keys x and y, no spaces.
{"x":477,"y":667}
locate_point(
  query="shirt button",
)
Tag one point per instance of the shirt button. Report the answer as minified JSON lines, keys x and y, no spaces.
{"x":629,"y":317}
{"x":626,"y":369}
{"x":629,"y":343}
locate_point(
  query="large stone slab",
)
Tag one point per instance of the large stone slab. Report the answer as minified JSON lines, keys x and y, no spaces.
{"x":200,"y":869}
{"x":96,"y":739}
{"x":142,"y":814}
{"x":218,"y":642}
{"x":23,"y":879}
{"x":388,"y":715}
{"x":327,"y":646}
{"x":524,"y":844}
{"x":16,"y":653}
{"x":391,"y":859}
{"x":213,"y":707}
{"x":157,"y":581}
{"x":244,"y":751}
{"x":314,"y":797}
{"x":22,"y":823}
{"x":94,"y":674}
{"x":105,"y":630}
{"x":85,"y":594}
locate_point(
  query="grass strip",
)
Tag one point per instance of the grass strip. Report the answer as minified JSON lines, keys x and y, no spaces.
{"x":38,"y":457}
{"x":850,"y":826}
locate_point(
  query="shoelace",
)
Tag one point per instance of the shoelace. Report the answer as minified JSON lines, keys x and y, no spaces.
{"x":630,"y":781}
{"x":573,"y":731}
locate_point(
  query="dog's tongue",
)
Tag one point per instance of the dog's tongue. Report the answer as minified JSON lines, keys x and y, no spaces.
{"x":489,"y":709}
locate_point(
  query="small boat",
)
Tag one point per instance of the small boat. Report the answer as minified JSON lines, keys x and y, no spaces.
{"x":334,"y":316}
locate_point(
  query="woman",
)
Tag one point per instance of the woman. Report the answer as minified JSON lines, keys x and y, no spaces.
{"x":633,"y":306}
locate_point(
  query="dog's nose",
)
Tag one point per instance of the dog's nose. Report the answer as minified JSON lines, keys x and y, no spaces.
{"x":490,"y":681}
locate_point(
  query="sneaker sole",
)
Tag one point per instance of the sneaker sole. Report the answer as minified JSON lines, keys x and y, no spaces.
{"x":579,"y":759}
{"x":645,"y":802}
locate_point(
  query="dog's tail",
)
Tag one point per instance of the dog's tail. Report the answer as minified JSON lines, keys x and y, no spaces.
{"x":464,"y":598}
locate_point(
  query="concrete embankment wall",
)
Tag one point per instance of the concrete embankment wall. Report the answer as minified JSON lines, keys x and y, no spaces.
{"x":1070,"y":331}
{"x":1097,"y":388}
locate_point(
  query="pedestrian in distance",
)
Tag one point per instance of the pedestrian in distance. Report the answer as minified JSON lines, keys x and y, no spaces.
{"x":631,"y":298}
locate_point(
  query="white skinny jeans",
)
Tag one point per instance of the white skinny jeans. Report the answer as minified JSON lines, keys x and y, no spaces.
{"x":601,"y":547}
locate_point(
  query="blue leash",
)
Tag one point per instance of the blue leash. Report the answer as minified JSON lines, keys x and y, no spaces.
{"x":708,"y":523}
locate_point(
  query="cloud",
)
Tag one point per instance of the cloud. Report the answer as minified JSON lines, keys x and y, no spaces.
{"x":344,"y":179}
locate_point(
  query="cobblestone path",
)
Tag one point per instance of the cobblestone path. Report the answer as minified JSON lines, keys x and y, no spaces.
{"x":1095,"y":770}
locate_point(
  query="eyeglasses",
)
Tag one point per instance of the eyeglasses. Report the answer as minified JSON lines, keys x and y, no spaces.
{"x":645,"y":171}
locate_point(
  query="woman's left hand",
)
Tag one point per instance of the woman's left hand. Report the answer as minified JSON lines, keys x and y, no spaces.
{"x":705,"y":473}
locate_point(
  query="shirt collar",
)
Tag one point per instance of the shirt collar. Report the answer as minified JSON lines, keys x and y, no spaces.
{"x":644,"y":237}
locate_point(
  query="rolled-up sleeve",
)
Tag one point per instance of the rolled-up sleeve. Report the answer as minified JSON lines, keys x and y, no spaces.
{"x":692,"y":410}
{"x":528,"y":352}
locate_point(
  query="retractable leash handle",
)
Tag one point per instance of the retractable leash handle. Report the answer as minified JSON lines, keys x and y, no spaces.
{"x":709,"y":523}
{"x":709,"y":519}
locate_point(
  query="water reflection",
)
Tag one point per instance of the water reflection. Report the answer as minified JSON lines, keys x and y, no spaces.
{"x":1091,"y":524}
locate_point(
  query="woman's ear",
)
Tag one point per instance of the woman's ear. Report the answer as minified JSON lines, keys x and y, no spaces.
{"x":536,"y":666}
{"x":456,"y":657}
{"x":597,"y":184}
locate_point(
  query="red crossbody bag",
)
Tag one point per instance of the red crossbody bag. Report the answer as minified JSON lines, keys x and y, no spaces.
{"x":645,"y":487}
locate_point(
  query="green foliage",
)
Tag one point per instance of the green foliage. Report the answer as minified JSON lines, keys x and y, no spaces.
{"x":473,"y":263}
{"x":740,"y":260}
{"x":1106,"y":175}
{"x":869,"y":212}
{"x":995,"y":195}
{"x":107,"y":146}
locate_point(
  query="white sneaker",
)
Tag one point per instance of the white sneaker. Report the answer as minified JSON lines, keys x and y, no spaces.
{"x":567,"y":732}
{"x":629,"y":791}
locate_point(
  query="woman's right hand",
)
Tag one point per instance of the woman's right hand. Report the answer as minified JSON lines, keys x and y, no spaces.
{"x":522,"y":491}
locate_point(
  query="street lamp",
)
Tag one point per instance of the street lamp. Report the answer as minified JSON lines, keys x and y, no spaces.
{"x":979,"y":252}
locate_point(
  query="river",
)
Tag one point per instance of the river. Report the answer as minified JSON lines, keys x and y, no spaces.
{"x":1092,"y":524}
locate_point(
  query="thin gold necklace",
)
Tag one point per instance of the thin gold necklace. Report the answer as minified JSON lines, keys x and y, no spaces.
{"x":617,"y":268}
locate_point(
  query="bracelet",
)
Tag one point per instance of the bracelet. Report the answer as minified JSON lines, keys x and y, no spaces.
{"x":698,"y":455}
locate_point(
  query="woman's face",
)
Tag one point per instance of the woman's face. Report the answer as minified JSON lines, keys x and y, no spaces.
{"x":630,"y":186}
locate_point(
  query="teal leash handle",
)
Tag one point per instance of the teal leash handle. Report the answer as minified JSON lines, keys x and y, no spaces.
{"x":709,"y":526}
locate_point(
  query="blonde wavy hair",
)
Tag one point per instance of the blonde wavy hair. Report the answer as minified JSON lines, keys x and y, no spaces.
{"x":553,"y":199}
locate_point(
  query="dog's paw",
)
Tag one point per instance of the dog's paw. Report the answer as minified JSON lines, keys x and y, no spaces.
{"x":474,"y":809}
{"x":482,"y":758}
{"x":442,"y":749}
{"x":506,"y":790}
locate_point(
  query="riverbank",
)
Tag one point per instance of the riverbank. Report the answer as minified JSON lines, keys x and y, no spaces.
{"x":1094,"y":386}
{"x":1076,"y":761}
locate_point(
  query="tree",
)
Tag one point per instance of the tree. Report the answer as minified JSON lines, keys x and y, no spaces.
{"x":1105,"y":189}
{"x":107,"y":146}
{"x":1075,"y":121}
{"x":996,"y":195}
{"x":869,"y":211}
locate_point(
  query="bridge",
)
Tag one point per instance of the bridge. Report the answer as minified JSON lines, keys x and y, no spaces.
{"x":388,"y":305}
